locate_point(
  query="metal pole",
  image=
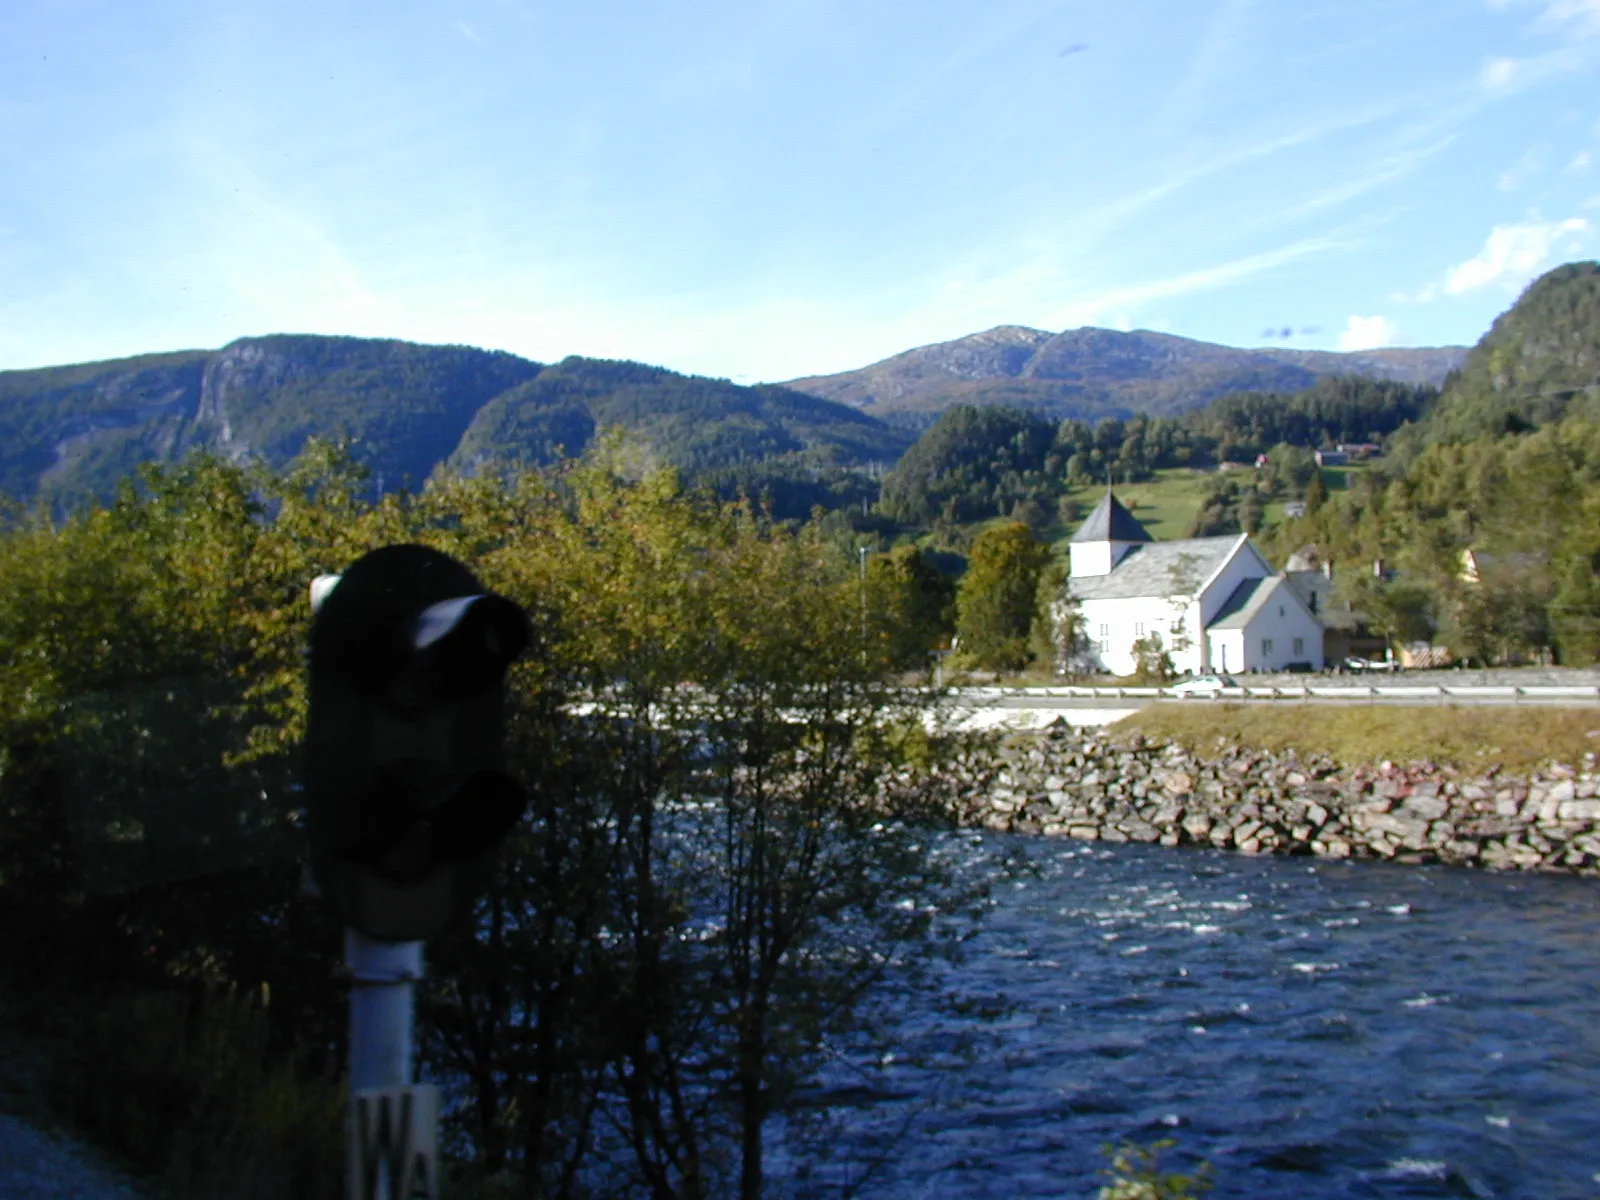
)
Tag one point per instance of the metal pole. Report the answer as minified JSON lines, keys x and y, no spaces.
{"x":863,"y":551}
{"x":392,"y":1130}
{"x":383,"y":982}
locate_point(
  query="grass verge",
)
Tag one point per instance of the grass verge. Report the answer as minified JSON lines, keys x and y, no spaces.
{"x":1515,"y":739}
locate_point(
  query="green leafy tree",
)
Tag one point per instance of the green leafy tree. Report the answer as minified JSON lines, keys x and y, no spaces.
{"x":1057,"y":632}
{"x":910,"y":606}
{"x":1316,"y":493}
{"x":725,"y":849}
{"x":998,"y":596}
{"x":1152,"y":662}
{"x":1401,"y":611}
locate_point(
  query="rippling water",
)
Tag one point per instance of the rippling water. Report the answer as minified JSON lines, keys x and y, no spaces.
{"x":1313,"y":1029}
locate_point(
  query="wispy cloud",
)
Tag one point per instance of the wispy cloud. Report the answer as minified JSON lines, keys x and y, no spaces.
{"x":1577,"y":16}
{"x":1525,"y":168}
{"x":1513,"y":254}
{"x":1506,"y":76}
{"x":1368,"y":333}
{"x":1574,"y":17}
{"x":1575,"y":24}
{"x":1119,"y":300}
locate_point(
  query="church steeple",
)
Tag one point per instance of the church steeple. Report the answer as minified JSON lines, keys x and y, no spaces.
{"x":1105,"y":537}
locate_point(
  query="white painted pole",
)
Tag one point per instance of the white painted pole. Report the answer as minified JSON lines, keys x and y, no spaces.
{"x":383,"y":981}
{"x":392,"y":1126}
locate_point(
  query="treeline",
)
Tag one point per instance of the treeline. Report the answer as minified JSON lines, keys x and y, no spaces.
{"x":1479,"y":530}
{"x":978,"y":463}
{"x":732,"y":839}
{"x":1527,"y":509}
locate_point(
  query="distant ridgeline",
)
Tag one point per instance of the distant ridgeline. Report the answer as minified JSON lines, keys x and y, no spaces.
{"x":1539,"y":366}
{"x":1010,"y":419}
{"x":1092,"y":374}
{"x":71,"y":433}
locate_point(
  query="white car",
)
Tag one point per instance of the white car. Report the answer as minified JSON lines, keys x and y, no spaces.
{"x":1202,"y":685}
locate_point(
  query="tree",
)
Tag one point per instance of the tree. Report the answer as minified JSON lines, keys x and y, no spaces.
{"x":1316,"y":493}
{"x":727,"y":845}
{"x":1501,"y":618}
{"x":1152,"y":663}
{"x":1400,"y":610}
{"x":723,"y":851}
{"x":1057,"y":632}
{"x":910,"y":606}
{"x":997,"y":597}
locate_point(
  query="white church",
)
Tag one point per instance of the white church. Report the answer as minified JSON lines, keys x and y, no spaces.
{"x":1214,"y":601}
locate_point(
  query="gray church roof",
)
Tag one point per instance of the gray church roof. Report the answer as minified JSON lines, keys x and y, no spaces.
{"x":1249,"y":598}
{"x":1157,"y":569}
{"x":1110,"y":522}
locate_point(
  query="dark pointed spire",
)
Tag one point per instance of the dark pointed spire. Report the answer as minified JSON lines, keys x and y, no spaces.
{"x":1111,"y":522}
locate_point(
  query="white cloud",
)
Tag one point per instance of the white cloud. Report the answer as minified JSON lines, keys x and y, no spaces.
{"x":1367,"y":333}
{"x":1425,"y":294}
{"x":1579,"y":164}
{"x":1513,"y":254}
{"x":1581,"y":16}
{"x":1498,"y":73}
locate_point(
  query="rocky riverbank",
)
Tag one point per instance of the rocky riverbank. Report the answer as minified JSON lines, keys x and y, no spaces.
{"x":1093,"y":785}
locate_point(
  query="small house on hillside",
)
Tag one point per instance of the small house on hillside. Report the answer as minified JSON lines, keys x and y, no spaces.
{"x":1345,"y":632}
{"x":1214,"y":601}
{"x":1475,"y":563}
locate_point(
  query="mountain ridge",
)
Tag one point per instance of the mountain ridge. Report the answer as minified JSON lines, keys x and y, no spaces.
{"x":1088,"y":373}
{"x":71,"y":433}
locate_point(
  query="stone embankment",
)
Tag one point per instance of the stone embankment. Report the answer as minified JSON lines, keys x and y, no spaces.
{"x":1091,"y":785}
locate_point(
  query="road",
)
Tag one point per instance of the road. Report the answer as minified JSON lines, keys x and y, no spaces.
{"x":1029,"y":708}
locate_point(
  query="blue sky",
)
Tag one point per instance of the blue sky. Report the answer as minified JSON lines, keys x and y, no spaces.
{"x":761,"y":189}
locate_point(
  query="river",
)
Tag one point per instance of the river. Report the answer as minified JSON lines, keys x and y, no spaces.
{"x":1313,"y":1029}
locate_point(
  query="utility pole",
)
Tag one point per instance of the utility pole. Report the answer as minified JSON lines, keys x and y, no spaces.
{"x":863,"y":553}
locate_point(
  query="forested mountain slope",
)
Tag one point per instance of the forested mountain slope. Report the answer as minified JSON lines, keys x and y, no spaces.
{"x":1539,"y":362}
{"x":67,"y":433}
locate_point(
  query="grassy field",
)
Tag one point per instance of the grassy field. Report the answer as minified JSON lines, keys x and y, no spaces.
{"x":1164,"y":505}
{"x":1469,"y":738}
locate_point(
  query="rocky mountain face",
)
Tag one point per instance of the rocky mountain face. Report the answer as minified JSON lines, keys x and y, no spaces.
{"x":69,"y":433}
{"x":1090,"y":373}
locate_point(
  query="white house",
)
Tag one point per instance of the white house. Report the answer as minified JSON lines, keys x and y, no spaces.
{"x":1214,"y":601}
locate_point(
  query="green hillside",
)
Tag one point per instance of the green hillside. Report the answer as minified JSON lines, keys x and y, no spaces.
{"x":1539,"y":362}
{"x":691,"y":422}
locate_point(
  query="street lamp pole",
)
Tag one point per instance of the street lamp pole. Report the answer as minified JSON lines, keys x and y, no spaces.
{"x":863,"y":553}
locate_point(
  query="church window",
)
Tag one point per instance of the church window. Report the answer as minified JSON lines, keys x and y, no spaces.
{"x":1266,"y":646}
{"x":1299,"y":645}
{"x":1138,"y":629}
